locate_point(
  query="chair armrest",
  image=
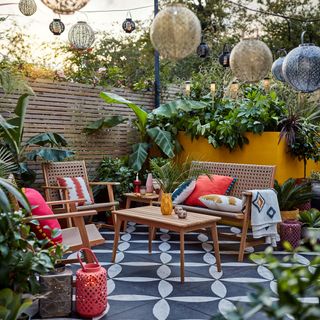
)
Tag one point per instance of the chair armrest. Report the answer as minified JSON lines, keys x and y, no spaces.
{"x":55,"y":187}
{"x":104,"y":183}
{"x":63,"y":215}
{"x":56,"y":202}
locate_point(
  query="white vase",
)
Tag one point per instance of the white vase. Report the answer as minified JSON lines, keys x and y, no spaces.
{"x":149,"y":183}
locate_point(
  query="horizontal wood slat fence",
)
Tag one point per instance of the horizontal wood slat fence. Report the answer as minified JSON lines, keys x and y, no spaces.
{"x":66,"y":108}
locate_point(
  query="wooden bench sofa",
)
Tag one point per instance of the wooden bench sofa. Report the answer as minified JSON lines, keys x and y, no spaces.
{"x":249,"y":177}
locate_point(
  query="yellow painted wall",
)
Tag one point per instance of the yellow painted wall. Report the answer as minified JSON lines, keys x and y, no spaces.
{"x":262,"y":149}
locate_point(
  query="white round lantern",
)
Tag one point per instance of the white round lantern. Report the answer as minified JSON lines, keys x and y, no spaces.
{"x":27,"y":7}
{"x":65,"y":6}
{"x":81,"y":36}
{"x":250,"y":60}
{"x":175,"y":32}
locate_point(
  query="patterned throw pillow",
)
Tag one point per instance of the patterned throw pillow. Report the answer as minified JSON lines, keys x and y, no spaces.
{"x":77,"y":189}
{"x":204,"y":185}
{"x":40,"y":208}
{"x":222,"y":203}
{"x":183,"y":191}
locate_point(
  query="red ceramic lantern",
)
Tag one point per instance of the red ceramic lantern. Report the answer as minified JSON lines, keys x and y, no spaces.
{"x":91,"y":288}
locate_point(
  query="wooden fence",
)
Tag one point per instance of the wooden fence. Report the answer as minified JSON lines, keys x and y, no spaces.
{"x":66,"y":108}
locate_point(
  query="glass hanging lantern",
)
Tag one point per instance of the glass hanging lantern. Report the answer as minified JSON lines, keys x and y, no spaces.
{"x":203,"y":49}
{"x":81,"y":36}
{"x":175,"y":32}
{"x":301,"y":67}
{"x":250,"y":60}
{"x":128,"y":25}
{"x":56,"y":27}
{"x":65,"y":6}
{"x":224,"y":57}
{"x":27,"y":7}
{"x":276,"y":68}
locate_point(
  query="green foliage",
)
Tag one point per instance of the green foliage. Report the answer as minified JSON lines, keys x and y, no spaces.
{"x":291,"y":195}
{"x":315,"y":175}
{"x":295,"y":281}
{"x":104,"y":123}
{"x":115,"y":169}
{"x":310,"y":218}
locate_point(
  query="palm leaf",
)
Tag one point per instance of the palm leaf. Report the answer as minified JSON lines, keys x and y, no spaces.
{"x":7,"y":164}
{"x":138,"y":156}
{"x":50,"y":154}
{"x":163,"y":139}
{"x":48,"y":138}
{"x":104,"y":123}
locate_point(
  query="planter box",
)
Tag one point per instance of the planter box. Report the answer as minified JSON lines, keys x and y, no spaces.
{"x":262,"y":149}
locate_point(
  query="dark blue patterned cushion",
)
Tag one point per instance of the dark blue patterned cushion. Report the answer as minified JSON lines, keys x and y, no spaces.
{"x":183,"y":191}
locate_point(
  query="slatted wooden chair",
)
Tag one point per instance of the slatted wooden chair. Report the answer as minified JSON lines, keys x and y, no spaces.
{"x":52,"y":170}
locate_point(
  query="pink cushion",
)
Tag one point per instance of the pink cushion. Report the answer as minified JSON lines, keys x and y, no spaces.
{"x":217,"y":185}
{"x":40,"y":208}
{"x":77,"y":189}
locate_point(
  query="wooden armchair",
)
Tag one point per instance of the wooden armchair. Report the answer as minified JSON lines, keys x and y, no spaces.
{"x":52,"y":170}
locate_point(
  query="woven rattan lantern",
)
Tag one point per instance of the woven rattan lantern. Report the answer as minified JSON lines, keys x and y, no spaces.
{"x":250,"y":60}
{"x":65,"y":6}
{"x":27,"y":7}
{"x":175,"y":32}
{"x":301,"y":67}
{"x":56,"y":27}
{"x":81,"y":36}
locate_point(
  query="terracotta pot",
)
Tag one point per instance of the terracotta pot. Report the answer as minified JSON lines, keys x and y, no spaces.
{"x":166,"y":204}
{"x":289,"y":215}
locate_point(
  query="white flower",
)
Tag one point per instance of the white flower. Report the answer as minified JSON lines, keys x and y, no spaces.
{"x":102,"y":69}
{"x":60,"y":74}
{"x":123,"y":58}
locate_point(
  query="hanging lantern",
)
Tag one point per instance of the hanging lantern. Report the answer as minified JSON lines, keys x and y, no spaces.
{"x":250,"y":60}
{"x":203,"y":49}
{"x":27,"y":7}
{"x":276,"y":68}
{"x":56,"y":27}
{"x":301,"y":67}
{"x":175,"y":32}
{"x":224,"y":58}
{"x":81,"y":36}
{"x":128,"y":25}
{"x":65,"y":6}
{"x":91,"y":287}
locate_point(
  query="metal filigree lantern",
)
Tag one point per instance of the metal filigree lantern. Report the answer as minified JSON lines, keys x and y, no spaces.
{"x":65,"y":6}
{"x":301,"y":67}
{"x":128,"y":25}
{"x":27,"y":7}
{"x":276,"y":68}
{"x":250,"y":60}
{"x":175,"y":32}
{"x":56,"y":27}
{"x":203,"y":49}
{"x":81,"y":36}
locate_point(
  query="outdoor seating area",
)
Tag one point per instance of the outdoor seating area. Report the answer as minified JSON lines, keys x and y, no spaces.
{"x":159,"y":160}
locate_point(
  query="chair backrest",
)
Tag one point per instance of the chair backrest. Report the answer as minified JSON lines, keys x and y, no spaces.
{"x":52,"y":170}
{"x":249,"y":176}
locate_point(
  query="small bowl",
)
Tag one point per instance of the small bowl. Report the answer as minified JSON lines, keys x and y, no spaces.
{"x":182,"y":214}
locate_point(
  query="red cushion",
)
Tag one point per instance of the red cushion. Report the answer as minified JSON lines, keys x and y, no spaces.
{"x":40,"y":208}
{"x":204,"y":186}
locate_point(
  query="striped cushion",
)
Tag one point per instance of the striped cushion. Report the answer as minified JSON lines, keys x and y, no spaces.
{"x":77,"y":189}
{"x":183,"y":191}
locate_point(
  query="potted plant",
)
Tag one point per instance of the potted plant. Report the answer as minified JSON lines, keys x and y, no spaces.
{"x":290,"y":196}
{"x":315,"y":186}
{"x":311,"y":223}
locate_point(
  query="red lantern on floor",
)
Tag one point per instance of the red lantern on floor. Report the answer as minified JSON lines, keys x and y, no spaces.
{"x":91,"y":287}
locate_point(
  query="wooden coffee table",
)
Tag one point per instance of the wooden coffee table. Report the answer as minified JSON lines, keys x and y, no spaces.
{"x":152,"y":217}
{"x":147,"y":198}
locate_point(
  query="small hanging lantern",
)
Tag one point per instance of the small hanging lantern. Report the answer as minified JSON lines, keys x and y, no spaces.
{"x":91,"y":287}
{"x":250,"y":60}
{"x":128,"y":25}
{"x":224,"y":58}
{"x":27,"y":7}
{"x":81,"y":36}
{"x":56,"y":27}
{"x":175,"y":32}
{"x":203,"y":49}
{"x":301,"y":67}
{"x":65,"y":6}
{"x":276,"y":68}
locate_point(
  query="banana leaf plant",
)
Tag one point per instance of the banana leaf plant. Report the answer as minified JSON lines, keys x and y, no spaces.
{"x":11,"y":137}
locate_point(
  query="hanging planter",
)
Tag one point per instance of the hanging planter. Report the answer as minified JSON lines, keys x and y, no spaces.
{"x":27,"y":7}
{"x":128,"y":25}
{"x":65,"y":6}
{"x":81,"y":36}
{"x":224,"y":57}
{"x":56,"y":27}
{"x":276,"y":68}
{"x":203,"y":49}
{"x":250,"y":60}
{"x":175,"y":32}
{"x":301,"y":67}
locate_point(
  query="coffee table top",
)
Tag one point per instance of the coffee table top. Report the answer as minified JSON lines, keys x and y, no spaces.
{"x":153,"y":214}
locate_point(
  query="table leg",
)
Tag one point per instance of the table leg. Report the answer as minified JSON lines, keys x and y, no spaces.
{"x":116,"y":238}
{"x":128,"y":203}
{"x":151,"y":236}
{"x":214,"y":235}
{"x":182,"y":256}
